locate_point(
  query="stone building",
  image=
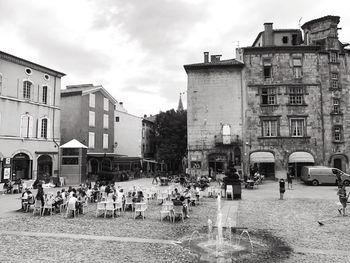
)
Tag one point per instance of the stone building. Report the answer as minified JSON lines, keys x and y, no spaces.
{"x":87,"y":115}
{"x":294,"y":105}
{"x":214,"y":114}
{"x":29,"y":119}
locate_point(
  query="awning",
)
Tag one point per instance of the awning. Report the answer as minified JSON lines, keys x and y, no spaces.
{"x":301,"y":157}
{"x":149,"y":161}
{"x":262,"y":157}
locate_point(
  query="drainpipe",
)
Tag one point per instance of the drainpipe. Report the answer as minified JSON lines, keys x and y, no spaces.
{"x":322,"y":124}
{"x":53,"y":130}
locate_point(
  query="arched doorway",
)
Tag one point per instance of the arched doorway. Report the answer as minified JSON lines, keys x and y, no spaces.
{"x":297,"y":160}
{"x":106,"y":165}
{"x":22,"y":167}
{"x":44,"y":168}
{"x":263,"y":162}
{"x":93,"y":166}
{"x":217,"y":162}
{"x":339,"y":161}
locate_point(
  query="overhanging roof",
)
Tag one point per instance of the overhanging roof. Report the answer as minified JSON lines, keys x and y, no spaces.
{"x":301,"y":157}
{"x":73,"y":144}
{"x":262,"y":157}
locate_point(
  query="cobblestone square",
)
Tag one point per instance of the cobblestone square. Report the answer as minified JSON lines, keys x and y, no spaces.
{"x":123,"y":239}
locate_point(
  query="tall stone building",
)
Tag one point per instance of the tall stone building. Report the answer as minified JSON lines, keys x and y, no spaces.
{"x":295,"y":100}
{"x":214,"y":114}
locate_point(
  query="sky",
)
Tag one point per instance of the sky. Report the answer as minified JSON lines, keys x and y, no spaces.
{"x":136,"y":49}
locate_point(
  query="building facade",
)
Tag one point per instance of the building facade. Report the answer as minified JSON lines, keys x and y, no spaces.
{"x":29,"y":119}
{"x":87,"y":115}
{"x":214,"y":115}
{"x":295,"y":100}
{"x":127,"y":133}
{"x":148,"y":144}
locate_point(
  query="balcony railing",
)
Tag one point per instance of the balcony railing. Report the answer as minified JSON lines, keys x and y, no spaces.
{"x":228,"y":140}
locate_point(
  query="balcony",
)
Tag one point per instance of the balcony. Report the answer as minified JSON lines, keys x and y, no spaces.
{"x":227,"y":140}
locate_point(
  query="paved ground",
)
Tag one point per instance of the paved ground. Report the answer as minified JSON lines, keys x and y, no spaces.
{"x":87,"y":238}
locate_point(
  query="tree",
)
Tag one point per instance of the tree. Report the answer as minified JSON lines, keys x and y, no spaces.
{"x":171,"y":138}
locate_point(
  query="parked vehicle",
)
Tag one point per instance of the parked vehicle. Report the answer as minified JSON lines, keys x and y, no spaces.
{"x":316,"y":175}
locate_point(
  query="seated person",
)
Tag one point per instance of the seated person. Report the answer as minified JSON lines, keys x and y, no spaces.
{"x":24,"y":200}
{"x":176,"y":194}
{"x":58,"y":200}
{"x":138,"y":198}
{"x":182,"y":202}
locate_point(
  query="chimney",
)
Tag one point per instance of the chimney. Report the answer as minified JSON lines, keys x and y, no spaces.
{"x":268,"y":34}
{"x":215,"y":58}
{"x":145,"y":116}
{"x":121,"y":103}
{"x":206,"y":57}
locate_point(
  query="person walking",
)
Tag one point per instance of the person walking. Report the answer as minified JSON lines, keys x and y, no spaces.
{"x":282,"y":185}
{"x":343,"y":198}
{"x":290,"y":179}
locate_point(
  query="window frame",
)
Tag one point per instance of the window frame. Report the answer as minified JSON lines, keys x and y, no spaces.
{"x":333,"y":57}
{"x":105,"y":104}
{"x":270,"y":129}
{"x":92,"y":119}
{"x":296,"y":95}
{"x":44,"y":99}
{"x":91,"y":142}
{"x":296,"y":120}
{"x":27,"y":90}
{"x":105,"y":121}
{"x":105,"y":141}
{"x":267,"y":67}
{"x":270,"y":95}
{"x":92,"y":100}
{"x":336,"y":105}
{"x":338,"y":133}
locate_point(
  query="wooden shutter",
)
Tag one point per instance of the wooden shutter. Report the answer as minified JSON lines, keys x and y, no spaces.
{"x":30,"y":128}
{"x":39,"y":128}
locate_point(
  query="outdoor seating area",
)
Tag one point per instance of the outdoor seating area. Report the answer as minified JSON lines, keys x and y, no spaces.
{"x":173,"y":203}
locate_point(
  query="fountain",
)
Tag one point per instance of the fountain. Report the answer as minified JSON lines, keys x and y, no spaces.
{"x":219,"y":244}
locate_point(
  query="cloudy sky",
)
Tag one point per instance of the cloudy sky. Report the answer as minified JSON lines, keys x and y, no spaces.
{"x":137,"y":48}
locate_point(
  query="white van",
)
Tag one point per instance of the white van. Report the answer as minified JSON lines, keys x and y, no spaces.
{"x":323,"y":175}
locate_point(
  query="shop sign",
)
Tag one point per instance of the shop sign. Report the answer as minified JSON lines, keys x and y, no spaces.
{"x":7,"y":160}
{"x":7,"y":173}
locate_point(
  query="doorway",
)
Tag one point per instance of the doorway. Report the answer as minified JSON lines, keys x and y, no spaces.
{"x":22,"y":167}
{"x":44,"y":168}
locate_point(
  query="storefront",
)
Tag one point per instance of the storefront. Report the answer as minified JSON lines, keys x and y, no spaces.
{"x":299,"y":159}
{"x":263,"y":162}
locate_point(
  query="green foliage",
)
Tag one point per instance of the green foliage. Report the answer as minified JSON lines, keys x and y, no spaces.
{"x":171,"y":137}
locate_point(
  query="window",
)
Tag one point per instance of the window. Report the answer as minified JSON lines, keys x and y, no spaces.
{"x":28,"y":71}
{"x":296,"y":95}
{"x":269,"y":128}
{"x":43,"y":132}
{"x":337,"y":133}
{"x":105,"y":141}
{"x":297,"y":68}
{"x":26,"y":126}
{"x":297,"y":127}
{"x":105,"y":104}
{"x":143,"y":133}
{"x":92,"y":100}
{"x":117,"y":119}
{"x":105,"y":121}
{"x":70,"y":151}
{"x":44,"y":95}
{"x":334,"y":80}
{"x":27,"y":87}
{"x":70,"y":161}
{"x":91,"y":119}
{"x":336,"y":105}
{"x":267,"y":69}
{"x":294,"y":39}
{"x":285,"y":40}
{"x":268,"y":96}
{"x":333,"y":57}
{"x":46,"y":77}
{"x":91,"y":140}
